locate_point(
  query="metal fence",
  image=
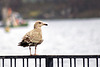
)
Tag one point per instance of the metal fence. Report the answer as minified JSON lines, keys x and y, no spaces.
{"x":51,"y":61}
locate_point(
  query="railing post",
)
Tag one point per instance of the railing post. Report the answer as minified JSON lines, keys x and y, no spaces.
{"x":23,"y":62}
{"x":70,"y":62}
{"x":27,"y":62}
{"x":49,"y":62}
{"x":10,"y":62}
{"x":15,"y":62}
{"x":87,"y":62}
{"x":83,"y":62}
{"x":96,"y":62}
{"x":2,"y":62}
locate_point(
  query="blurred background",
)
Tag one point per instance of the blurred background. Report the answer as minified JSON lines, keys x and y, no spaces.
{"x":53,"y":9}
{"x":73,"y":26}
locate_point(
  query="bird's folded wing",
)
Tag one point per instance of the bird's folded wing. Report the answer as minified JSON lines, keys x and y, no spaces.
{"x":33,"y":36}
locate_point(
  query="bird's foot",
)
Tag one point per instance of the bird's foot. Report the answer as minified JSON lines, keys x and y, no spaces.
{"x":33,"y":54}
{"x":30,"y":54}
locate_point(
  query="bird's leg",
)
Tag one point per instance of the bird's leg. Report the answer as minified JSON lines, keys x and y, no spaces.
{"x":30,"y":50}
{"x":35,"y":49}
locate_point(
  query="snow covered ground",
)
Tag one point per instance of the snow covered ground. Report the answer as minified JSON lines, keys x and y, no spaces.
{"x":61,"y":37}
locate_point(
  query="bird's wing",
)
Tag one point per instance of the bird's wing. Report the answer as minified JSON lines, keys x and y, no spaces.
{"x":26,"y":38}
{"x":33,"y":36}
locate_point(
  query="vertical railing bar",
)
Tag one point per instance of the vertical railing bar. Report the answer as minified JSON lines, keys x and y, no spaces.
{"x":49,"y":62}
{"x":74,"y":62}
{"x":58,"y":62}
{"x":23,"y":62}
{"x":10,"y":62}
{"x":87,"y":62}
{"x":46,"y":62}
{"x":62,"y":61}
{"x":70,"y":62}
{"x":96,"y":62}
{"x":27,"y":62}
{"x":15,"y":62}
{"x":39,"y":62}
{"x":2,"y":62}
{"x":35,"y":62}
{"x":83,"y":62}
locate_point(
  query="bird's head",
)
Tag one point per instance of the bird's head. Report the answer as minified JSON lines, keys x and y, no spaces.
{"x":39,"y":23}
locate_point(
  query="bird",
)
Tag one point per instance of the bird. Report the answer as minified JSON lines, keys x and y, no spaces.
{"x":33,"y":37}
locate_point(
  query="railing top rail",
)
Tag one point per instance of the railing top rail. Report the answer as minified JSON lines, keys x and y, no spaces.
{"x":52,"y":56}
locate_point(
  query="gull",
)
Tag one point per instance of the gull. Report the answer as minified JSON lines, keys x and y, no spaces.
{"x":33,"y":37}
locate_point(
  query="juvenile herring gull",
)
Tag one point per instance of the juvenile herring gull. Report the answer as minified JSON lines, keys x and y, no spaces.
{"x":33,"y":37}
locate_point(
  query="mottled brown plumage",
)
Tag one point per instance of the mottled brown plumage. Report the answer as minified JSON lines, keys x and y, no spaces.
{"x":33,"y":37}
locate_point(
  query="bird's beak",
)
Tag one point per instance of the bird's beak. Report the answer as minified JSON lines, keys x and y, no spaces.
{"x":45,"y":24}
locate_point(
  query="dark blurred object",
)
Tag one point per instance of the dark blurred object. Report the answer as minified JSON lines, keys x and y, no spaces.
{"x":52,"y":9}
{"x":0,"y":16}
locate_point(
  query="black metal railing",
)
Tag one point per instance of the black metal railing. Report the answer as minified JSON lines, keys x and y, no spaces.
{"x":51,"y":61}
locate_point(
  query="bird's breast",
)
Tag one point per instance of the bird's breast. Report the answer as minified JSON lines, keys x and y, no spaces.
{"x":37,"y":37}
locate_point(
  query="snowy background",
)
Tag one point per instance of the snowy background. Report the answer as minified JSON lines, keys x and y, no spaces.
{"x":61,"y":37}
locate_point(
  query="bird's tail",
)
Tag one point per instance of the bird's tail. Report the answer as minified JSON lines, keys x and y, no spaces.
{"x":24,"y":44}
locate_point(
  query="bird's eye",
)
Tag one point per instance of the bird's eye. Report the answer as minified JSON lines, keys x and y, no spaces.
{"x":39,"y":22}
